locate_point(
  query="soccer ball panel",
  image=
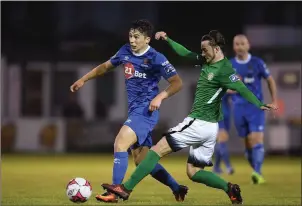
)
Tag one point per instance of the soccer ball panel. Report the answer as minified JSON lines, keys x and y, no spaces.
{"x":72,"y":190}
{"x":80,"y":181}
{"x":85,"y":191}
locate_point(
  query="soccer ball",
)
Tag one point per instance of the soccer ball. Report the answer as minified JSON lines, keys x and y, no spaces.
{"x":78,"y":190}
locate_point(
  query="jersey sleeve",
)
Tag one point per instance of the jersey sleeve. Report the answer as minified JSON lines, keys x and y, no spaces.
{"x":264,"y":71}
{"x":229,"y":80}
{"x":165,"y":68}
{"x":116,"y":59}
{"x":183,"y":51}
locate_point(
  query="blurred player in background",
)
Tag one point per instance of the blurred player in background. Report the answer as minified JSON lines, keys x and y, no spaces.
{"x":249,"y":120}
{"x":199,"y":129}
{"x":143,"y":67}
{"x":221,"y":148}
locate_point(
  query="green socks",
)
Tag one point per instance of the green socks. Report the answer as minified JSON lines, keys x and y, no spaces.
{"x":210,"y":180}
{"x":142,"y":170}
{"x":149,"y":163}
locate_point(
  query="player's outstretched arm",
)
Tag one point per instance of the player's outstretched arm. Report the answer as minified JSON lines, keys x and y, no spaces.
{"x":175,"y":85}
{"x":272,"y":89}
{"x":178,"y":48}
{"x":238,"y":86}
{"x":97,"y":71}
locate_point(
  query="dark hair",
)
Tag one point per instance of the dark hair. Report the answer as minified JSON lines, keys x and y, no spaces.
{"x":143,"y":26}
{"x":215,"y":38}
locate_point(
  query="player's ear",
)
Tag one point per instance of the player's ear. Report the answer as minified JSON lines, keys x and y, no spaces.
{"x":148,"y":39}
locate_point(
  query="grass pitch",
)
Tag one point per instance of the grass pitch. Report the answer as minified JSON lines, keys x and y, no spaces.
{"x":41,"y":180}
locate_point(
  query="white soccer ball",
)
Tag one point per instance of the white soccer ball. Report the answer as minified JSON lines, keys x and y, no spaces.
{"x":78,"y":190}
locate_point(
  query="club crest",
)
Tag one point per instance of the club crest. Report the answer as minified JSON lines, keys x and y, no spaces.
{"x":210,"y":76}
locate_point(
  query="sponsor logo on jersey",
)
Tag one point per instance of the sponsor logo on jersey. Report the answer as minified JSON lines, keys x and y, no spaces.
{"x":260,"y":127}
{"x":165,"y":63}
{"x":234,"y":78}
{"x":169,"y":69}
{"x":126,"y":58}
{"x":210,"y":76}
{"x":131,"y":72}
{"x":249,"y":80}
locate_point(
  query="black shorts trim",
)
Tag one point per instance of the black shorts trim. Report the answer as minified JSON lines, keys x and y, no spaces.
{"x":196,"y":163}
{"x":172,"y":143}
{"x":182,"y":129}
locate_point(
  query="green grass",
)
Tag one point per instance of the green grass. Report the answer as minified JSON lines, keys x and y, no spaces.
{"x":41,"y":180}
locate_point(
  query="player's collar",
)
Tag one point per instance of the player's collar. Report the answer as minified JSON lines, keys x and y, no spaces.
{"x":144,"y":52}
{"x":249,"y":56}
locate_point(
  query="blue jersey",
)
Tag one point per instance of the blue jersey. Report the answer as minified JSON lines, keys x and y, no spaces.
{"x":250,"y":71}
{"x":142,"y":74}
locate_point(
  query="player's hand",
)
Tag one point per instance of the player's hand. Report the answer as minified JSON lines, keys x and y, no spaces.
{"x":161,"y":35}
{"x":269,"y":107}
{"x":77,"y":85}
{"x":155,"y":104}
{"x":229,"y":91}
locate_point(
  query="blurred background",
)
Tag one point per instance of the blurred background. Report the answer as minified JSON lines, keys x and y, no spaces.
{"x":46,"y":46}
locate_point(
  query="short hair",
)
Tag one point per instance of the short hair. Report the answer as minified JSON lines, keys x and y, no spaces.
{"x":143,"y":26}
{"x":215,"y":38}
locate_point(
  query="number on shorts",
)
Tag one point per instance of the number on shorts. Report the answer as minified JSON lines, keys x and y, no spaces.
{"x":214,"y":96}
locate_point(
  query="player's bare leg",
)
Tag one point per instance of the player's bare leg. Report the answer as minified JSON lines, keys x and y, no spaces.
{"x":222,"y":139}
{"x":199,"y":175}
{"x":159,"y":173}
{"x":125,"y":138}
{"x":255,"y":140}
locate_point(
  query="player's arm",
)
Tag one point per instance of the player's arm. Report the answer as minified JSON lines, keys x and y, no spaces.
{"x":169,"y":73}
{"x":234,"y":83}
{"x":97,"y":71}
{"x":178,"y":48}
{"x":272,"y":88}
{"x":265,"y":73}
{"x":175,"y":85}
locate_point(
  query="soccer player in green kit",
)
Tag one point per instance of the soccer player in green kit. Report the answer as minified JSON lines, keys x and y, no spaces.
{"x":199,"y":129}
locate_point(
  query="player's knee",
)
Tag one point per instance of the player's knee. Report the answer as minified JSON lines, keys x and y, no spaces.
{"x":162,"y":148}
{"x":255,"y":138}
{"x":125,"y":138}
{"x":192,"y":170}
{"x":222,"y":136}
{"x":139,"y":154}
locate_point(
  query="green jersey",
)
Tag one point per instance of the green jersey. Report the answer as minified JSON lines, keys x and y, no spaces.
{"x":214,"y":80}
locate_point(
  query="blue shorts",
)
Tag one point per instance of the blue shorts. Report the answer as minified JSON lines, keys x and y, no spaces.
{"x":248,"y":119}
{"x":224,"y":124}
{"x":142,"y":122}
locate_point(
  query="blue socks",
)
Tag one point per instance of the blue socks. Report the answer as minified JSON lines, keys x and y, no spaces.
{"x":258,"y":157}
{"x":120,"y":165}
{"x":222,"y":153}
{"x":160,"y":174}
{"x":225,"y":154}
{"x":249,"y":156}
{"x":217,"y":159}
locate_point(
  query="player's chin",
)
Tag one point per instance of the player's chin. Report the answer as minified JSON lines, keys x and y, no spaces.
{"x":134,"y":49}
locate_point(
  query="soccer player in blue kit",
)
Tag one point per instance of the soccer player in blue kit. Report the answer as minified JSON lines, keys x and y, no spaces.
{"x":143,"y":67}
{"x":250,"y":121}
{"x":221,"y":149}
